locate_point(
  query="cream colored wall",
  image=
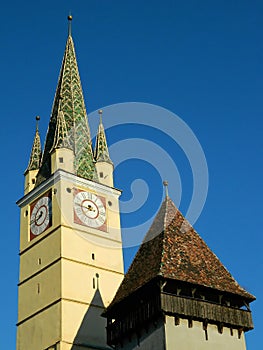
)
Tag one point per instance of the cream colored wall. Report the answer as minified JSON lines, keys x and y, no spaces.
{"x":183,"y":338}
{"x":41,"y":331}
{"x":42,"y":253}
{"x":107,"y":173}
{"x":39,"y":291}
{"x":83,"y":324}
{"x":30,"y":178}
{"x":67,"y":163}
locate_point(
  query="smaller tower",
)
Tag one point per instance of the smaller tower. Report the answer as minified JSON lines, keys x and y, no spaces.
{"x":104,"y":165}
{"x":177,"y":295}
{"x":62,"y":156}
{"x":34,"y":161}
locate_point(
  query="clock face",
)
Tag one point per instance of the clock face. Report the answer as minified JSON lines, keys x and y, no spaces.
{"x":89,"y":210}
{"x":40,"y":218}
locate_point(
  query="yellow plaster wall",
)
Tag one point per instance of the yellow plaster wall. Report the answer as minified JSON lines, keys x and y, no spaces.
{"x":82,"y":324}
{"x":107,"y":171}
{"x":39,"y":291}
{"x":40,"y":331}
{"x":181,"y":337}
{"x":67,"y":156}
{"x":79,"y":280}
{"x":42,"y":254}
{"x":30,"y":178}
{"x":79,"y":246}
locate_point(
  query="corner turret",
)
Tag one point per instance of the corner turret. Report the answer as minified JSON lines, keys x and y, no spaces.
{"x":104,"y":164}
{"x":34,"y":161}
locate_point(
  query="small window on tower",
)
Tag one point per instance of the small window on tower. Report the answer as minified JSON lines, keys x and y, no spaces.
{"x":94,"y":283}
{"x":33,"y":181}
{"x":101,"y":174}
{"x":93,"y":256}
{"x":60,"y":159}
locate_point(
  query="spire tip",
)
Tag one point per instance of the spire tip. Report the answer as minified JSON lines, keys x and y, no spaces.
{"x":100,"y":114}
{"x":69,"y":24}
{"x":165,"y":183}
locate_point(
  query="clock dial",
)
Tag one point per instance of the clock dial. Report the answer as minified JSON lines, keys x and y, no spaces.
{"x":40,"y":218}
{"x":89,"y":210}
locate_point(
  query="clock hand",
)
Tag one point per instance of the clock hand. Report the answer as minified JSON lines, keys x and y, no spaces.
{"x":39,"y":216}
{"x":89,"y":207}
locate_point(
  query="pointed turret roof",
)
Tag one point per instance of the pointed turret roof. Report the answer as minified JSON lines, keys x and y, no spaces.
{"x":69,"y":100}
{"x":172,"y":249}
{"x":101,"y":147}
{"x":36,"y":153}
{"x":61,"y":139}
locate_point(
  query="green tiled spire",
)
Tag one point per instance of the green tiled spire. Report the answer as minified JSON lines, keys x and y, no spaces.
{"x":101,"y":148}
{"x":36,"y":153}
{"x":69,"y":100}
{"x":61,"y":139}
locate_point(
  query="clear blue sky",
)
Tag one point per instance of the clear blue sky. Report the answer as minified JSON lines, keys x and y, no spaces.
{"x":199,"y":59}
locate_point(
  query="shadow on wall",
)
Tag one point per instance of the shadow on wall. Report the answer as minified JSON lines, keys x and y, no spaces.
{"x":92,"y":331}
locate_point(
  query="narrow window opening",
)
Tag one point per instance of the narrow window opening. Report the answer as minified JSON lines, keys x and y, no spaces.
{"x":60,"y":159}
{"x":176,"y":320}
{"x":94,"y":286}
{"x":39,"y":261}
{"x":239,"y":332}
{"x":38,"y":288}
{"x":93,"y":256}
{"x":33,"y":181}
{"x":206,"y":334}
{"x":101,"y":174}
{"x":231,"y":332}
{"x":190,"y":323}
{"x":26,"y":213}
{"x":110,"y":203}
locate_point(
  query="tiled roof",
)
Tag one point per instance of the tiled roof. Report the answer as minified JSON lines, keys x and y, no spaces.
{"x":174,"y":250}
{"x":69,"y":100}
{"x":61,"y":139}
{"x":101,"y":153}
{"x":36,"y":153}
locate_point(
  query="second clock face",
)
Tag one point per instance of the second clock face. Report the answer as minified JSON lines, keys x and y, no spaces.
{"x":40,"y":218}
{"x":89,"y":210}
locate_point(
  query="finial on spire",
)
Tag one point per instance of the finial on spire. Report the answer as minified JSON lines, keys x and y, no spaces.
{"x":37,"y":120}
{"x":69,"y":24}
{"x":165,"y":183}
{"x":100,"y":114}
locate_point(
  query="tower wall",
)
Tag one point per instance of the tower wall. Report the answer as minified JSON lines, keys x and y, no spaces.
{"x":182,"y":337}
{"x":70,"y":272}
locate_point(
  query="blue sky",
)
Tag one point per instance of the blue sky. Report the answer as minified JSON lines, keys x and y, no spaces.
{"x":202,"y":60}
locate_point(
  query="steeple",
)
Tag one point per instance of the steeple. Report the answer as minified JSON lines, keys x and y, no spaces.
{"x":35,"y":155}
{"x":101,"y":148}
{"x":69,"y":100}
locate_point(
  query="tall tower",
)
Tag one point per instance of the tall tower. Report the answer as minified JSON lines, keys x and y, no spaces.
{"x":177,"y":295}
{"x":71,"y":259}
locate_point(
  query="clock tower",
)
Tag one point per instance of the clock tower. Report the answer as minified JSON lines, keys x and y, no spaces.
{"x":71,"y":261}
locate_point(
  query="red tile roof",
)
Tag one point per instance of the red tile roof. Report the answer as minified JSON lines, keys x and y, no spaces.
{"x":174,"y":250}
